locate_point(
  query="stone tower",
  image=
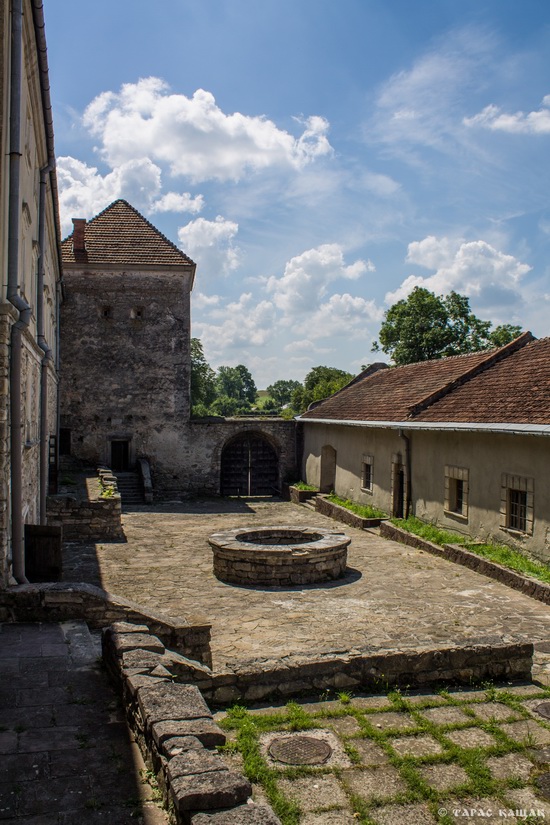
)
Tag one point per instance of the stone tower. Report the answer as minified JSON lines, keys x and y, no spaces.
{"x":125,"y":333}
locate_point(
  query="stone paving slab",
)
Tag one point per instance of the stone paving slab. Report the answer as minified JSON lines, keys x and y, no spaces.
{"x":393,"y":597}
{"x":421,"y":786}
{"x":66,"y":754}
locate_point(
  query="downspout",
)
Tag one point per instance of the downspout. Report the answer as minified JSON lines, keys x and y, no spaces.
{"x":408,"y":498}
{"x":14,"y":209}
{"x":42,"y":343}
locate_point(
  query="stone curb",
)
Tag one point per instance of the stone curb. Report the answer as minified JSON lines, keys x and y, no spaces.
{"x":455,"y":553}
{"x":175,"y":731}
{"x":62,"y":601}
{"x":338,"y":513}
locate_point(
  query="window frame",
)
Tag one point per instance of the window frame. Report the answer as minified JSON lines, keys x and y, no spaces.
{"x":457,"y":492}
{"x":367,"y":461}
{"x":517,"y":500}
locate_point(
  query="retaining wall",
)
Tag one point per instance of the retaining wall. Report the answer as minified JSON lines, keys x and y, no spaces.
{"x":97,"y":519}
{"x":454,"y":552}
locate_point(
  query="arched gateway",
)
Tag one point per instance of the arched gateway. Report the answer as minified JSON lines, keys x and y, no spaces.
{"x":249,"y":466}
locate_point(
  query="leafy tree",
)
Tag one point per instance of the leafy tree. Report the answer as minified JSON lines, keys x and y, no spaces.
{"x":281,"y":391}
{"x":203,"y":379}
{"x":503,"y":334}
{"x":248,"y":387}
{"x":236,"y":382}
{"x":225,"y":405}
{"x":425,"y":326}
{"x":319,"y":383}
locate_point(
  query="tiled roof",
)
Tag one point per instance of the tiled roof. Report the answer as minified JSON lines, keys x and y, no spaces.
{"x":121,"y":235}
{"x":506,"y":385}
{"x":389,"y":394}
{"x":513,"y":391}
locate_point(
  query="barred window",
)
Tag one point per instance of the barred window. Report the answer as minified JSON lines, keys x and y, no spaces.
{"x":517,"y":510}
{"x":457,"y":490}
{"x":367,"y":473}
{"x":517,"y":503}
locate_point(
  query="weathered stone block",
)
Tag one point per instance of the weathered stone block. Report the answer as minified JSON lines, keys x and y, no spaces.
{"x":209,"y":791}
{"x":194,"y":761}
{"x":179,"y":744}
{"x":171,"y":701}
{"x":243,"y":815}
{"x":123,"y":642}
{"x":205,"y":730}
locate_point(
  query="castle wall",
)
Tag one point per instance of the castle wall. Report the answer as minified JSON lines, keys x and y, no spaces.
{"x":126,"y":363}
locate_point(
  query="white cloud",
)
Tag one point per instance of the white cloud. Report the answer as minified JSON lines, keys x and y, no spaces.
{"x":84,"y":191}
{"x":239,"y":324}
{"x":421,"y":105}
{"x":306,"y":277}
{"x":346,"y":315}
{"x":532,"y":123}
{"x":178,"y":202}
{"x":200,"y":300}
{"x":194,"y":136}
{"x":211,"y":245}
{"x":473,"y":268}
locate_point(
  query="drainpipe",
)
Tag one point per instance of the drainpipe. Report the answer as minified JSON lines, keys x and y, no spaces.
{"x":42,"y":343}
{"x":14,"y":210}
{"x":408,"y":498}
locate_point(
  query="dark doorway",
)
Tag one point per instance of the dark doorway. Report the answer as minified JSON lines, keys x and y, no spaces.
{"x":64,"y":441}
{"x":398,"y":497}
{"x":120,"y":456}
{"x":249,"y":467}
{"x":43,"y":561}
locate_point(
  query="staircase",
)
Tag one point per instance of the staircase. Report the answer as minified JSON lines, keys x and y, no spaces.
{"x":130,"y":489}
{"x":309,"y":504}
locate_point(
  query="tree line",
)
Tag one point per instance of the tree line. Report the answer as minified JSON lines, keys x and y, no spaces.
{"x":421,"y":327}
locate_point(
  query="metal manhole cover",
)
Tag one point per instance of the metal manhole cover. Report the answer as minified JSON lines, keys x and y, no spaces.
{"x":543,"y":709}
{"x":543,"y":784}
{"x":300,"y":750}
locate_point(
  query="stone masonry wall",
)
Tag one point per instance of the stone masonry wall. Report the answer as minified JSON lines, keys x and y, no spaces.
{"x":31,"y":368}
{"x":5,"y":329}
{"x":98,"y":520}
{"x":205,"y":439}
{"x":126,"y":365}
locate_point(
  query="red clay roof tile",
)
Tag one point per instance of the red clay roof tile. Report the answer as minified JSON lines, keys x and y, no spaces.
{"x":512,"y":390}
{"x":121,"y":235}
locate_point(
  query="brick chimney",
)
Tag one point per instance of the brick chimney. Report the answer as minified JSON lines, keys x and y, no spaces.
{"x":79,"y":235}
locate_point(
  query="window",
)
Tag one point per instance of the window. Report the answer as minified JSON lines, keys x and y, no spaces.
{"x":366,"y":473}
{"x":106,"y":312}
{"x":137,"y":314}
{"x":517,"y":510}
{"x":456,"y":491}
{"x":517,"y":500}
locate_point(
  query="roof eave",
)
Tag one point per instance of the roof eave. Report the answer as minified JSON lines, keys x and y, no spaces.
{"x":440,"y":426}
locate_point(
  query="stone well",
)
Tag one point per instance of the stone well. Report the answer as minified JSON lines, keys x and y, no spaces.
{"x":279,"y":556}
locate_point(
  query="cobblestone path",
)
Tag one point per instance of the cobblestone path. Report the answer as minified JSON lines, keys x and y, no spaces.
{"x":393,"y":597}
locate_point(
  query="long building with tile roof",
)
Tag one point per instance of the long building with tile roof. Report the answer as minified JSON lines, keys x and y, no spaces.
{"x":463,"y":441}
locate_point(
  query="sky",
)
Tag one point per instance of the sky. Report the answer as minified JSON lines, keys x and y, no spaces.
{"x":317,"y":159}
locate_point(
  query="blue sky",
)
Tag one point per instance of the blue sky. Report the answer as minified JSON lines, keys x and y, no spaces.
{"x":316,"y":158}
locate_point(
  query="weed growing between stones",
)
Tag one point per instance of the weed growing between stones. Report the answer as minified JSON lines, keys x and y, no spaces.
{"x":410,"y":758}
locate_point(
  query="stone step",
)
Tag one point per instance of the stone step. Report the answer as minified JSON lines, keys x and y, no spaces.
{"x":129,"y":487}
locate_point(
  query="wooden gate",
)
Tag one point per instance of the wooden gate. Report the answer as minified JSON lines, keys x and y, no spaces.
{"x":249,"y":467}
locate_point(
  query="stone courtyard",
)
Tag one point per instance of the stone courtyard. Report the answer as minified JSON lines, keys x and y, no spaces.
{"x":393,"y":597}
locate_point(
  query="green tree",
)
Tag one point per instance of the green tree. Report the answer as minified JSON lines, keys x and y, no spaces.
{"x":236,"y":382}
{"x":224,"y":405}
{"x":503,"y":334}
{"x":281,"y":391}
{"x":319,"y":383}
{"x":425,"y":326}
{"x":203,"y":379}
